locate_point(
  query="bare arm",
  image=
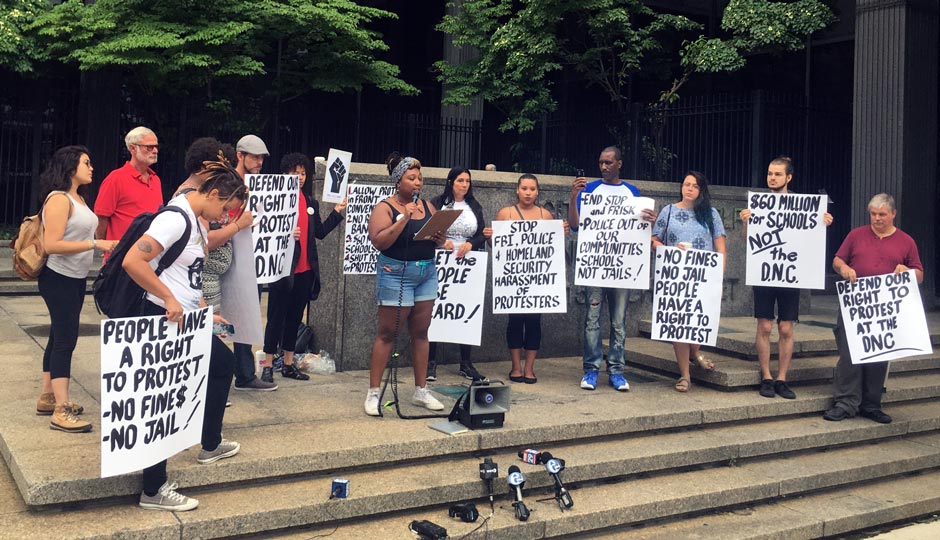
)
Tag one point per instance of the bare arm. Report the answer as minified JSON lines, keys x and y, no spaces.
{"x":576,"y":188}
{"x":102,"y":227}
{"x":137,"y":266}
{"x":843,"y":269}
{"x":383,"y":231}
{"x":218,"y":237}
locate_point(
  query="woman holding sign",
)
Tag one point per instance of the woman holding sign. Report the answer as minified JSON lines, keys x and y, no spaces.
{"x":406,"y":279}
{"x":69,"y":240}
{"x":524,"y":330}
{"x":690,"y":223}
{"x":178,"y":289}
{"x":465,"y":235}
{"x":288,"y":297}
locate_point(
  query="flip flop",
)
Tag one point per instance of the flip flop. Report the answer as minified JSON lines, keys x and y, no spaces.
{"x":704,"y":363}
{"x":683,"y":385}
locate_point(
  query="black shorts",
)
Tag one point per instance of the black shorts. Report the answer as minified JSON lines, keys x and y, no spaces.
{"x":786,"y":299}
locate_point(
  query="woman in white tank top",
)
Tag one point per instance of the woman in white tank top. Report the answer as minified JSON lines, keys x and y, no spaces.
{"x":70,"y":242}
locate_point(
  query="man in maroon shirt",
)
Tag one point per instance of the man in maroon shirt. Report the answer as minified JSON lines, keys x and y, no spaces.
{"x":871,"y":250}
{"x":132,"y":189}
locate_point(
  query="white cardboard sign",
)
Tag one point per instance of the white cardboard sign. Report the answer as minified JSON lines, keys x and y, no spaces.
{"x":786,"y":240}
{"x":274,"y":201}
{"x":338,"y":163}
{"x":529,"y":267}
{"x":687,"y":295}
{"x":153,"y":388}
{"x":359,"y":254}
{"x":461,"y":288}
{"x":613,"y":242}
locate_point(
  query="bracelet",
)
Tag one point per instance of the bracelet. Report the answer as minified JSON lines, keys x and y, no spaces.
{"x":237,"y":228}
{"x":94,"y":244}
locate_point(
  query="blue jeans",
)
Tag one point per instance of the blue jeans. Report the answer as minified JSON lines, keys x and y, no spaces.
{"x":593,"y":350}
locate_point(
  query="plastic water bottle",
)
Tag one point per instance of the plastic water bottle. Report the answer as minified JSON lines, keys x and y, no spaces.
{"x":259,"y":357}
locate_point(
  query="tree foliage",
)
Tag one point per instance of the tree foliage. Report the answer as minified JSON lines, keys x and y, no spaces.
{"x":17,"y":51}
{"x":178,"y":45}
{"x":524,"y":45}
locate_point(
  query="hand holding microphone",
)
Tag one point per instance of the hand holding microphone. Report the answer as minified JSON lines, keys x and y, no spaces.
{"x":516,"y":481}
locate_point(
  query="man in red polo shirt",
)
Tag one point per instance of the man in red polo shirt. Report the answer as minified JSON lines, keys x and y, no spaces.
{"x":132,"y":189}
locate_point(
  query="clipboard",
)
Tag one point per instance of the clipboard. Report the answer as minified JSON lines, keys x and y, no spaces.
{"x":439,"y":222}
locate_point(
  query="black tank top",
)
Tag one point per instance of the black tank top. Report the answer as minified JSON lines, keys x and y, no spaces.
{"x":406,"y":248}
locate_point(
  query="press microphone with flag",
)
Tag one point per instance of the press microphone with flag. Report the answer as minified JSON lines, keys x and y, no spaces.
{"x":516,"y":481}
{"x":554,"y":466}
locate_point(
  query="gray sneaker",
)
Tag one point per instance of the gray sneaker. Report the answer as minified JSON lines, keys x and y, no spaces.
{"x":168,"y":499}
{"x":225,"y":449}
{"x":257,"y":385}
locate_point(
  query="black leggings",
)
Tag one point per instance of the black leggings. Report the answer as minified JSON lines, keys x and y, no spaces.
{"x":287,"y":299}
{"x":221,"y":367}
{"x":464,"y":354}
{"x":524,"y":331}
{"x":64,"y":297}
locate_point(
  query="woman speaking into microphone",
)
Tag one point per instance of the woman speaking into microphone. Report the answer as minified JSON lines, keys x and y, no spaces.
{"x":406,"y":280}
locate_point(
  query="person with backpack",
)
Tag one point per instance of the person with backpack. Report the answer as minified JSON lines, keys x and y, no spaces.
{"x":69,"y":240}
{"x":289,"y":296}
{"x":177,"y":289}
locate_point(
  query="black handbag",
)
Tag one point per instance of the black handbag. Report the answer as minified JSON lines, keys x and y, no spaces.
{"x":306,"y":340}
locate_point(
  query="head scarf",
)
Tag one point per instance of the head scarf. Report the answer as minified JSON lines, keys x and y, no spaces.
{"x":400,"y":169}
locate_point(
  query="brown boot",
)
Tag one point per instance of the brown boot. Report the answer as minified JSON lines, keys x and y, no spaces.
{"x":64,"y":419}
{"x":45,"y":405}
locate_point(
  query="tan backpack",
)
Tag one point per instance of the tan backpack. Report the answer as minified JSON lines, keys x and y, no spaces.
{"x":29,"y":253}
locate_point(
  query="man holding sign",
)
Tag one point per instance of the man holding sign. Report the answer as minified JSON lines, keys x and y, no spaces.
{"x":616,"y":298}
{"x":786,"y":299}
{"x":872,"y":250}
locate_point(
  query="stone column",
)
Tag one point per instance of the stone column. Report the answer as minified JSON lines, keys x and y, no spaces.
{"x":460,"y":142}
{"x":894,"y":138}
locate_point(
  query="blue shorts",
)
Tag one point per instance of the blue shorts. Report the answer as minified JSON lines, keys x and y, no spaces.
{"x":418,"y":282}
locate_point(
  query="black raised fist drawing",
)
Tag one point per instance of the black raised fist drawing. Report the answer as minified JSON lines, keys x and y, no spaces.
{"x":337,"y":173}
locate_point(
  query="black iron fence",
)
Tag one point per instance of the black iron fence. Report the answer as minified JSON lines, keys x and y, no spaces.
{"x":729,"y":137}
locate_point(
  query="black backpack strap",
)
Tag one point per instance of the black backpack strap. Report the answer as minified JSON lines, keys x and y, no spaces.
{"x":174,"y":251}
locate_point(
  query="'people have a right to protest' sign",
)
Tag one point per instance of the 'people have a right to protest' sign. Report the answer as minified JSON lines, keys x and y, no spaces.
{"x":153,"y":388}
{"x":786,"y":240}
{"x":883,"y":317}
{"x":687,"y":295}
{"x":274,"y":200}
{"x":529,"y":267}
{"x":359,"y":254}
{"x":613,"y":242}
{"x":461,"y":288}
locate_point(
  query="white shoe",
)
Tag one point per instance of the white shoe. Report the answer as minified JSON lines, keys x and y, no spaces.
{"x":168,"y":499}
{"x":372,"y":402}
{"x":423,"y":398}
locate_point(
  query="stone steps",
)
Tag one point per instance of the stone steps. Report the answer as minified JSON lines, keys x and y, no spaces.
{"x":350,"y":444}
{"x":732,"y":372}
{"x":864,"y":486}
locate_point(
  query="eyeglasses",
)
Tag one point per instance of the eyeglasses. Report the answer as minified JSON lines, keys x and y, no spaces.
{"x":148,"y":147}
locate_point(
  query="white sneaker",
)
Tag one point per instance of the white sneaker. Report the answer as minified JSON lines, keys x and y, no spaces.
{"x":423,"y":398}
{"x":372,"y":402}
{"x":168,"y":499}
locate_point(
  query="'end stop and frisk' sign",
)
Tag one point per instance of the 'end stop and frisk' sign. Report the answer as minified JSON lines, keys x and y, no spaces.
{"x":153,"y":388}
{"x":883,"y":317}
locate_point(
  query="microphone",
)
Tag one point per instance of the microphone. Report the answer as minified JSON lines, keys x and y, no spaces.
{"x":554,"y":467}
{"x":488,"y":472}
{"x":415,"y":197}
{"x":516,"y":481}
{"x":531,"y":456}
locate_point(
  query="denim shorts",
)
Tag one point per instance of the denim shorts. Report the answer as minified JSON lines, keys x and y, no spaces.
{"x":417,"y":283}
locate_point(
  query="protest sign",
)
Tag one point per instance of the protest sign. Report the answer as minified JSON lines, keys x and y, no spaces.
{"x":273,"y":200}
{"x":786,"y":240}
{"x":613,"y":242}
{"x":687,"y":295}
{"x":461,"y":287}
{"x":529,"y":267}
{"x":359,"y":254}
{"x":153,"y":388}
{"x":883,"y":317}
{"x":337,"y":175}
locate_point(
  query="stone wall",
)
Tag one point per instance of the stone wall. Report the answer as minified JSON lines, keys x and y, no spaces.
{"x":344,"y":315}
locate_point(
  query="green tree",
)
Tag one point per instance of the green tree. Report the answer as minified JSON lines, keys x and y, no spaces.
{"x":180,"y":45}
{"x":524,"y":45}
{"x":18,"y":51}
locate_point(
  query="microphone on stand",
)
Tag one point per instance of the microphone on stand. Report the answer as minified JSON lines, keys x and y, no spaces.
{"x":516,"y":481}
{"x":554,"y":467}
